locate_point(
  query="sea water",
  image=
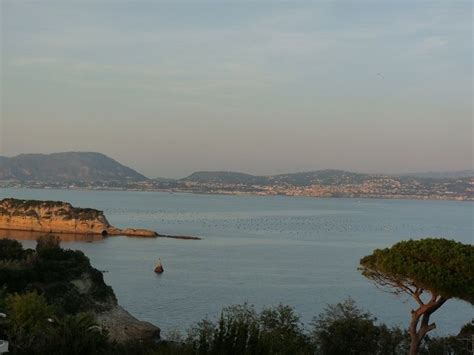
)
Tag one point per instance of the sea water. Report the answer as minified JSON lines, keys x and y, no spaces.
{"x":299,"y":251}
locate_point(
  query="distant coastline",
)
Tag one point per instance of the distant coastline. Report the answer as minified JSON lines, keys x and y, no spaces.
{"x":244,"y":193}
{"x":96,"y":171}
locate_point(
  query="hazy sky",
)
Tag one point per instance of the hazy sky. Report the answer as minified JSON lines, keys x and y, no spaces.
{"x":255,"y":86}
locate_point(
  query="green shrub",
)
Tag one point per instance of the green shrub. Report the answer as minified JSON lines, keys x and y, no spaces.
{"x":281,"y":330}
{"x":346,"y":329}
{"x":78,"y":334}
{"x":241,"y":330}
{"x":28,"y":328}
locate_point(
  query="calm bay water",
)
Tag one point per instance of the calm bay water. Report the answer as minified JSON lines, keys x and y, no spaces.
{"x":263,"y":250}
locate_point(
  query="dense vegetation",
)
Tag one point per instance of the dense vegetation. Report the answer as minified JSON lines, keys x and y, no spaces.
{"x":440,"y":266}
{"x":51,"y":271}
{"x":46,"y":317}
{"x":341,"y":329}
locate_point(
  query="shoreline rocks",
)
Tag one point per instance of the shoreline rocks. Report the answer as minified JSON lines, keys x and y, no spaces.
{"x":131,"y":232}
{"x":183,"y":237}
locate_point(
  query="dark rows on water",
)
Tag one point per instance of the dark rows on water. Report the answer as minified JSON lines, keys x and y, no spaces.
{"x":275,"y":223}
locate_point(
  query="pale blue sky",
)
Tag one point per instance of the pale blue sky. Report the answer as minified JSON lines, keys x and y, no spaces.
{"x":255,"y":86}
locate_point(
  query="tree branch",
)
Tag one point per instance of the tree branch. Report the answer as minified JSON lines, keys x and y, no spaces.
{"x":417,"y":296}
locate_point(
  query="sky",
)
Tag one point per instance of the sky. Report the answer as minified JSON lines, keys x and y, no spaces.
{"x":261,"y":87}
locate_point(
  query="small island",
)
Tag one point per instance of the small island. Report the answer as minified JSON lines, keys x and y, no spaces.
{"x":60,"y":217}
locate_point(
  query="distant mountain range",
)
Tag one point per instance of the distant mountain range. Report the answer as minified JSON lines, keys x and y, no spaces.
{"x":70,"y":166}
{"x":94,"y":167}
{"x":97,"y":171}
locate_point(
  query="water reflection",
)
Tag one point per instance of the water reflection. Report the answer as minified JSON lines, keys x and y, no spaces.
{"x":64,"y":237}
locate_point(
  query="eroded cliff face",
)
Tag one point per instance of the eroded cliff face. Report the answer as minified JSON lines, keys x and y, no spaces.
{"x":59,"y":217}
{"x":51,"y":217}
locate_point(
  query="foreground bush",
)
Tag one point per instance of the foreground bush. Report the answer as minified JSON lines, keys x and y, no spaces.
{"x":345,"y":329}
{"x":27,"y":323}
{"x":33,"y":327}
{"x":241,"y":330}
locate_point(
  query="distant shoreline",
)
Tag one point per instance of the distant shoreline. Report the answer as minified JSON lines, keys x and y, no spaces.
{"x":246,"y":193}
{"x":96,"y":171}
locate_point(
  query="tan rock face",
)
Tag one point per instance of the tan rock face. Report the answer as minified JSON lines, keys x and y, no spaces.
{"x":51,"y":216}
{"x":59,"y":217}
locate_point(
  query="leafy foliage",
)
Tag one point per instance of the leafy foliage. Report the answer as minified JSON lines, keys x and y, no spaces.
{"x":241,"y":330}
{"x":345,"y":329}
{"x":444,"y":267}
{"x":78,"y":334}
{"x":28,"y":327}
{"x":11,"y":250}
{"x":33,"y":327}
{"x":446,"y":345}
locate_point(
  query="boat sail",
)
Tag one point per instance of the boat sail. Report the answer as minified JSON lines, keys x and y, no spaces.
{"x":159,"y":267}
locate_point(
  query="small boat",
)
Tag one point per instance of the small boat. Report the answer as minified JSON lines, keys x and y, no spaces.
{"x":159,"y":267}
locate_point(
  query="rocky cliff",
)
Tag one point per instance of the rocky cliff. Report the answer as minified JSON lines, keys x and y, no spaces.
{"x":59,"y":217}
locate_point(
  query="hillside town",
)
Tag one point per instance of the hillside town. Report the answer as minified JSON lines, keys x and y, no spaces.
{"x":372,"y":187}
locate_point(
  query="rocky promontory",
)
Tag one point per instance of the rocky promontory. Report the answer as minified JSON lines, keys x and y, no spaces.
{"x":59,"y":217}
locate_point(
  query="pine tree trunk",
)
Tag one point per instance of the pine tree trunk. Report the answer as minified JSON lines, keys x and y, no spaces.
{"x":414,"y":345}
{"x":415,"y":339}
{"x":423,"y":312}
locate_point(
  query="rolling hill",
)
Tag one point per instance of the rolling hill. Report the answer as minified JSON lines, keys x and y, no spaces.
{"x":68,"y":166}
{"x":226,"y":177}
{"x":325,"y":177}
